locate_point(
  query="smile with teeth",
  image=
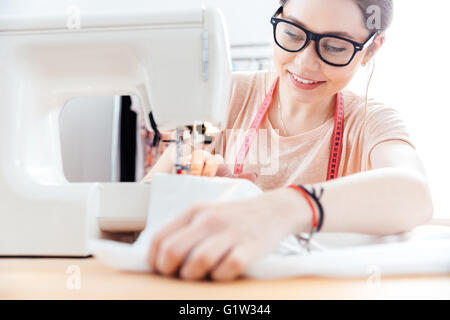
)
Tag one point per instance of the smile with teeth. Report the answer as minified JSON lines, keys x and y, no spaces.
{"x":303,"y":80}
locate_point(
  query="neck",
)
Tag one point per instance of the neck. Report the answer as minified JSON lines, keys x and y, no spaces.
{"x":300,"y":117}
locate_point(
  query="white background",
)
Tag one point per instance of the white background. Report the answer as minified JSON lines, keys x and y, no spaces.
{"x":411,"y":74}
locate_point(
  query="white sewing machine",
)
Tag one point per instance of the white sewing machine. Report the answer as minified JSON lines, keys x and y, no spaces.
{"x":177,"y":63}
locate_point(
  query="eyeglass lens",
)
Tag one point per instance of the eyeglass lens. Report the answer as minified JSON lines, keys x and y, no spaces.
{"x":333,"y":50}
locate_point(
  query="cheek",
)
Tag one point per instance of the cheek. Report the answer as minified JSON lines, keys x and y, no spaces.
{"x":281,"y":58}
{"x":340,"y":77}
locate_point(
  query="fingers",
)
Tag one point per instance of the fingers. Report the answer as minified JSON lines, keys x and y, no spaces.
{"x":195,"y":245}
{"x":211,"y":166}
{"x":175,"y":248}
{"x":204,"y":164}
{"x":199,"y":157}
{"x":235,"y":262}
{"x":178,"y":223}
{"x":205,"y":256}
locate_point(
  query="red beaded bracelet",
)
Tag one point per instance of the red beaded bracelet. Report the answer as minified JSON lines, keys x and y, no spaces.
{"x":309,"y":201}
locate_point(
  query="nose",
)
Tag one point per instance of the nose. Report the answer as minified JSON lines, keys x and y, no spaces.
{"x":308,"y":56}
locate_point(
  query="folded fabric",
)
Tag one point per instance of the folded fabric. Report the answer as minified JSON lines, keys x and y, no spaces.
{"x":170,"y":195}
{"x":424,"y":250}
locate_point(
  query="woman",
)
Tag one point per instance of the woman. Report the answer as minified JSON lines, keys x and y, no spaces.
{"x":381,"y":186}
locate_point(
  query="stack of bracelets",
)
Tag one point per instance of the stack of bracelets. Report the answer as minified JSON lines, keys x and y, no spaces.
{"x":317,"y":219}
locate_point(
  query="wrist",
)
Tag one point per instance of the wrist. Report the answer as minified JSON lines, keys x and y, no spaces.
{"x":298,"y":213}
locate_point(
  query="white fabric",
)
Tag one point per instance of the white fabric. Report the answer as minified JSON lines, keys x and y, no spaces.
{"x":424,"y":250}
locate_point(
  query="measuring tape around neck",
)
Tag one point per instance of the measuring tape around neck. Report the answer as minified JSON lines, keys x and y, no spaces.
{"x":336,"y":140}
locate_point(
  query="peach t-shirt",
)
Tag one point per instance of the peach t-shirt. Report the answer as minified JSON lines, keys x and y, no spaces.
{"x":280,"y":161}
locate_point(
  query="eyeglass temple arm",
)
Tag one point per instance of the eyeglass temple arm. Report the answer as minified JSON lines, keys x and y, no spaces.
{"x":361,"y":45}
{"x":370,"y":40}
{"x":279,"y":11}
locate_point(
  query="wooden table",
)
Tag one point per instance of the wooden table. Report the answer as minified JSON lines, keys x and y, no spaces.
{"x":54,"y":278}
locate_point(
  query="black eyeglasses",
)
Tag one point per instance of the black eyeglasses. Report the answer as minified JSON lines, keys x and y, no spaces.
{"x":331,"y":49}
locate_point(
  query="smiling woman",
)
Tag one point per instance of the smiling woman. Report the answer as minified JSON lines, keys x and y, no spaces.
{"x":321,"y":136}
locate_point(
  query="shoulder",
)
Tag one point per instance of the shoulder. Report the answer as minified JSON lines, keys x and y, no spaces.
{"x":373,"y":124}
{"x":378,"y":122}
{"x":374,"y":111}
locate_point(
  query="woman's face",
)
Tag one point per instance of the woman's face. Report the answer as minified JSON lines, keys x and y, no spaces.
{"x":320,"y":16}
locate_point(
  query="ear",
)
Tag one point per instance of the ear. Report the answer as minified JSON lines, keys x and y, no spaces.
{"x":377,"y":43}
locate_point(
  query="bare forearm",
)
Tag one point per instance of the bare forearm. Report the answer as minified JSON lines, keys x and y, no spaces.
{"x":163,"y":165}
{"x":380,"y":202}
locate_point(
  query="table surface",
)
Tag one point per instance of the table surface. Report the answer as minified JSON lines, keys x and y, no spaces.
{"x":56,"y":278}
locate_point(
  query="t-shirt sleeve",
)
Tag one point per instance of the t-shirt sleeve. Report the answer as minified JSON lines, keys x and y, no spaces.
{"x":383,"y":123}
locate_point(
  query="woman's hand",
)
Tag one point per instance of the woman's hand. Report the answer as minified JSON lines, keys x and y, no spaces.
{"x":222,"y":239}
{"x":202,"y":163}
